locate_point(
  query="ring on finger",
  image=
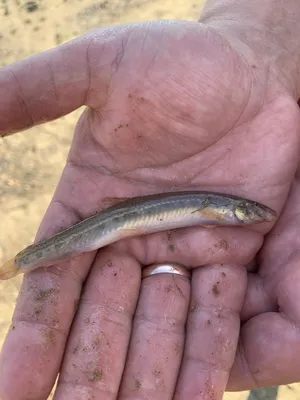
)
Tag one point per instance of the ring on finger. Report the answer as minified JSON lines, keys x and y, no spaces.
{"x":166,"y":268}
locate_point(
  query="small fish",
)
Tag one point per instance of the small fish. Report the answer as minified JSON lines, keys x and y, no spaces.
{"x":135,"y":217}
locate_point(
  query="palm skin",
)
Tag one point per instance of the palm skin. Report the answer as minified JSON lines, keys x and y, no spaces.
{"x":171,"y":106}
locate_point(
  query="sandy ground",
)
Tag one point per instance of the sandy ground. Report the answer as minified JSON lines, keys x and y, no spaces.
{"x":31,"y":162}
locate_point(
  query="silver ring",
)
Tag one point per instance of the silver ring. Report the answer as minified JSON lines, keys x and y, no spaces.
{"x":167,"y":268}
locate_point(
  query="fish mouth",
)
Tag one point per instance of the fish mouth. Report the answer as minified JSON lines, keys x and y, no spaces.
{"x":266,"y":213}
{"x":253,"y":212}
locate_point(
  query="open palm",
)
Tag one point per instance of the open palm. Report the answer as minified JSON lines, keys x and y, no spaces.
{"x":170,"y":106}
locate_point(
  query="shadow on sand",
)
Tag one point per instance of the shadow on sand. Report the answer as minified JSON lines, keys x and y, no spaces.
{"x":264,"y":394}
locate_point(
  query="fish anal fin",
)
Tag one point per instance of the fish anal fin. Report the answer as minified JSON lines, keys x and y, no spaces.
{"x":204,"y":205}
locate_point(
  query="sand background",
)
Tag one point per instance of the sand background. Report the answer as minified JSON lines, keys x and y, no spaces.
{"x":31,"y":162}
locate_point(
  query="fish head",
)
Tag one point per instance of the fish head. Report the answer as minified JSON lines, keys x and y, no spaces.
{"x":250,"y":212}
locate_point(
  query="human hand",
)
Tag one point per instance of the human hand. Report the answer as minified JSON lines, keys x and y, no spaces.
{"x":171,"y":106}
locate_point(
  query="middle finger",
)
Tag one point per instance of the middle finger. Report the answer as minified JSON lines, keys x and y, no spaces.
{"x":97,"y":346}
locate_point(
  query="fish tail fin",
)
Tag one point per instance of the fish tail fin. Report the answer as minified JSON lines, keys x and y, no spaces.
{"x":9,"y":269}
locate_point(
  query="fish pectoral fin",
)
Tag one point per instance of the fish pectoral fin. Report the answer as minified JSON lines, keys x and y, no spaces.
{"x":205,"y":204}
{"x":198,"y":210}
{"x":112,"y":201}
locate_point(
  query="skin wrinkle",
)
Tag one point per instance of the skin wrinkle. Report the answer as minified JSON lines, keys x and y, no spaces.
{"x":265,"y":37}
{"x":292,"y":322}
{"x":222,"y":312}
{"x":73,"y":166}
{"x":29,"y":323}
{"x":123,"y":175}
{"x":108,"y":309}
{"x":244,"y":108}
{"x":277,"y":282}
{"x":175,"y":119}
{"x":175,"y":164}
{"x":190,"y":158}
{"x":243,"y":43}
{"x":88,"y":73}
{"x":78,"y":167}
{"x":268,"y":286}
{"x":88,"y":386}
{"x":52,"y":80}
{"x":103,"y":86}
{"x":154,"y":323}
{"x":112,"y":321}
{"x":117,"y":61}
{"x":106,"y":152}
{"x":244,"y":361}
{"x":52,"y":320}
{"x":153,"y":58}
{"x":282,"y":303}
{"x":71,"y":211}
{"x":59,"y":272}
{"x":204,"y":365}
{"x":21,"y":98}
{"x":262,"y":285}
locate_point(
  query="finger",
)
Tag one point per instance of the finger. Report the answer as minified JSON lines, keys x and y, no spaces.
{"x":43,"y":87}
{"x":47,"y":302}
{"x":212,"y":331}
{"x":97,"y":346}
{"x":45,"y":309}
{"x":267,"y":353}
{"x":55,"y":82}
{"x":157,"y":339}
{"x":195,"y":246}
{"x":270,"y":342}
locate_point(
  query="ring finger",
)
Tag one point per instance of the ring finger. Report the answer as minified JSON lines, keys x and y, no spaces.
{"x":157,"y":339}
